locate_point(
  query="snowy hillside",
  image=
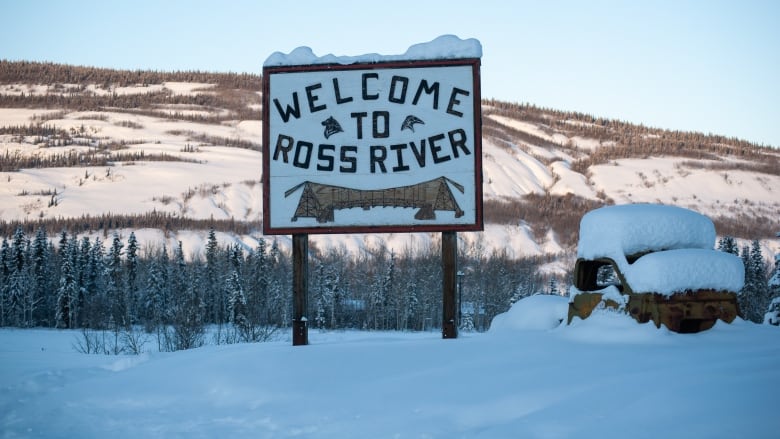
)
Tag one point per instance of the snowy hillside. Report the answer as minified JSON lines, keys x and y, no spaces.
{"x":182,"y":159}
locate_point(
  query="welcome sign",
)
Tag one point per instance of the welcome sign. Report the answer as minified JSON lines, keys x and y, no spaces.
{"x":372,"y":147}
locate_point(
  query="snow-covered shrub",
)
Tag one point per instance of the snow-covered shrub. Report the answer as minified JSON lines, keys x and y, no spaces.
{"x":772,"y":316}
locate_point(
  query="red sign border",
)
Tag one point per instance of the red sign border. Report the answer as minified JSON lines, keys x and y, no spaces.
{"x":478,"y":224}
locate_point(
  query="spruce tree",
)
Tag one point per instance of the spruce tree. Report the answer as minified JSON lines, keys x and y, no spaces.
{"x":187,"y":322}
{"x":80,"y":260}
{"x":279,"y":297}
{"x":257,"y":278}
{"x":165,"y":273}
{"x":754,"y":298}
{"x":212,"y":287}
{"x":381,"y":292}
{"x":97,"y":308}
{"x":759,"y":279}
{"x":18,"y":281}
{"x":131,"y":262}
{"x":411,"y":302}
{"x":41,"y":284}
{"x":115,"y":293}
{"x":153,"y":295}
{"x":323,"y":297}
{"x":178,"y":276}
{"x":772,"y":315}
{"x":66,"y":293}
{"x":774,"y":280}
{"x":187,"y":326}
{"x":334,"y":296}
{"x":728,"y":244}
{"x":234,"y":291}
{"x":319,"y":305}
{"x":5,"y":273}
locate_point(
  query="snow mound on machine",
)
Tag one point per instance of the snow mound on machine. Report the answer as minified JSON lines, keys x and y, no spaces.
{"x":616,"y":231}
{"x":680,"y":270}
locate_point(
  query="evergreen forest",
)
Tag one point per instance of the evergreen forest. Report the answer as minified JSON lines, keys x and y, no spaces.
{"x":78,"y":282}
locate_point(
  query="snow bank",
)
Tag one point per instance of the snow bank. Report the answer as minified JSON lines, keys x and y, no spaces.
{"x":348,"y":384}
{"x":607,"y":326}
{"x":443,"y":47}
{"x":674,"y":271}
{"x":538,"y":312}
{"x":617,"y":231}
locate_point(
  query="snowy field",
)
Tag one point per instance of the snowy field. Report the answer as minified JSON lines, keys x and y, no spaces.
{"x":605,"y":377}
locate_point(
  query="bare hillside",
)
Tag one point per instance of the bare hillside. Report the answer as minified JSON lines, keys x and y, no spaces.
{"x":93,"y":149}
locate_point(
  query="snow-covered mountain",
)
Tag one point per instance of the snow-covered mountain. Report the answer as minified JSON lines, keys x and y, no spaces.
{"x":128,"y":144}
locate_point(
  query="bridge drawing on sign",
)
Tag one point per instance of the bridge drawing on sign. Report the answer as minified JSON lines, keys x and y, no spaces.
{"x":321,"y":200}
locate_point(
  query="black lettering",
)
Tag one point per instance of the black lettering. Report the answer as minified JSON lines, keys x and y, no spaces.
{"x":378,"y":157}
{"x":307,"y":149}
{"x":295,"y":110}
{"x":327,"y":158}
{"x":284,"y":145}
{"x":404,"y":83}
{"x":419,"y":154}
{"x":339,"y":99}
{"x":385,"y":129}
{"x":427,"y":89}
{"x":455,"y":101}
{"x":359,"y":122}
{"x":460,"y":142}
{"x":399,"y":155}
{"x":348,"y":159}
{"x":312,"y":98}
{"x":436,"y":149}
{"x":366,"y":96}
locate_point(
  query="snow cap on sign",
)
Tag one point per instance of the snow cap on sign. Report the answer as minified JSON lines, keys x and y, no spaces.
{"x":443,"y":47}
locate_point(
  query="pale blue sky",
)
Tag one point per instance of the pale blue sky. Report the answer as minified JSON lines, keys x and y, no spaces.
{"x":710,"y":66}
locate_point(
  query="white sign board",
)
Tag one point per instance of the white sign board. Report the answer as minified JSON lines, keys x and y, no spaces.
{"x":372,"y":147}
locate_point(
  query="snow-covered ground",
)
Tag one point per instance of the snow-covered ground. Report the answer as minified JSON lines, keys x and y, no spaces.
{"x":604,"y":377}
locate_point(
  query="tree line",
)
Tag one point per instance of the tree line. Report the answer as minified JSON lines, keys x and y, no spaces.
{"x":12,"y":162}
{"x":105,"y":224}
{"x":143,"y":104}
{"x":29,"y":72}
{"x":73,"y":281}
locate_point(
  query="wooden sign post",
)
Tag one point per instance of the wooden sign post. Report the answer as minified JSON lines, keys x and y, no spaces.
{"x":300,"y":289}
{"x":449,"y":265}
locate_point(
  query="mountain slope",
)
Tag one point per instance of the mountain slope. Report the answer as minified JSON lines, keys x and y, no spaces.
{"x":77,"y":141}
